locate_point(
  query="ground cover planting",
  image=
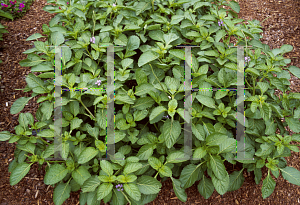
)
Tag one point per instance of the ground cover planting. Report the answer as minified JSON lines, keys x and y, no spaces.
{"x":150,"y":82}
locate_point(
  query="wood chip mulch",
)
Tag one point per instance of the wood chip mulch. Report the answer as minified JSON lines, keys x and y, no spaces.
{"x":283,"y":27}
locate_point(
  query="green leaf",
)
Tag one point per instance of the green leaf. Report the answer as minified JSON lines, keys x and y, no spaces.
{"x":220,"y":34}
{"x":126,"y":63}
{"x":47,"y":109}
{"x":94,"y":132}
{"x":19,"y":173}
{"x":221,"y":185}
{"x":198,"y":131}
{"x":227,"y":146}
{"x":156,"y":112}
{"x":43,"y":67}
{"x":140,"y":76}
{"x":263,"y":86}
{"x":175,"y":19}
{"x":212,"y":53}
{"x":235,"y":6}
{"x":232,"y":66}
{"x":31,"y":60}
{"x":103,"y":190}
{"x":28,"y":147}
{"x":268,"y":186}
{"x":258,"y":175}
{"x":49,"y":151}
{"x":55,"y":174}
{"x":180,"y":192}
{"x":265,"y":149}
{"x":295,"y":71}
{"x":145,"y":151}
{"x":253,"y":71}
{"x":147,"y":57}
{"x":270,"y":127}
{"x":171,"y":131}
{"x":5,"y":135}
{"x":140,"y":115}
{"x":133,"y":191}
{"x":91,"y":198}
{"x":189,"y":175}
{"x":57,"y":38}
{"x":19,"y":105}
{"x":199,"y":153}
{"x":148,"y":185}
{"x":277,"y":83}
{"x":133,"y":43}
{"x":61,"y":193}
{"x":118,"y":198}
{"x":175,"y":157}
{"x":155,"y":163}
{"x":215,"y":138}
{"x":206,"y":187}
{"x":87,"y":154}
{"x":157,"y":35}
{"x":293,"y":124}
{"x":81,"y":174}
{"x":220,"y":94}
{"x":165,"y":171}
{"x":143,"y":103}
{"x":34,"y":81}
{"x":90,"y":184}
{"x":178,"y":53}
{"x":75,"y":123}
{"x":291,"y":174}
{"x":143,"y":89}
{"x":218,"y":167}
{"x":35,"y":37}
{"x":66,"y":55}
{"x":132,"y":167}
{"x":207,"y":101}
{"x":236,"y":179}
{"x":169,"y":38}
{"x":286,"y":48}
{"x":64,"y":149}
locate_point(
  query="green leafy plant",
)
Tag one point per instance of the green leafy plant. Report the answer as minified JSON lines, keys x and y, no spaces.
{"x":16,"y":8}
{"x":149,"y":82}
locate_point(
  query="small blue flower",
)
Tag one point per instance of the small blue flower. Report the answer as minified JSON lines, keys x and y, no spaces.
{"x":98,"y":82}
{"x":221,"y":23}
{"x":247,"y":59}
{"x":119,"y":186}
{"x":92,"y":40}
{"x":114,"y":5}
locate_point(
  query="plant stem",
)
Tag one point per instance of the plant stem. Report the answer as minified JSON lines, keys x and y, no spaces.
{"x":44,"y":141}
{"x":86,"y":108}
{"x":253,"y":86}
{"x":158,"y":80}
{"x":56,"y":161}
{"x":247,"y":83}
{"x":156,"y":127}
{"x":117,"y":172}
{"x":126,"y":198}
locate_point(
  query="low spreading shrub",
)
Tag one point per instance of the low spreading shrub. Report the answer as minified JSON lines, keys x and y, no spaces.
{"x":16,"y":8}
{"x":150,"y":83}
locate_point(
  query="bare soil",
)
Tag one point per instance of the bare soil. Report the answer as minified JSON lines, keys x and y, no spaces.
{"x":282,"y":27}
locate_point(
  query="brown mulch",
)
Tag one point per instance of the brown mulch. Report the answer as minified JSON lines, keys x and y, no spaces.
{"x":283,"y":27}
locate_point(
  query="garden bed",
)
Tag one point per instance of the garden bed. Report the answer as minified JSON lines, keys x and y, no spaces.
{"x":281,"y":28}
